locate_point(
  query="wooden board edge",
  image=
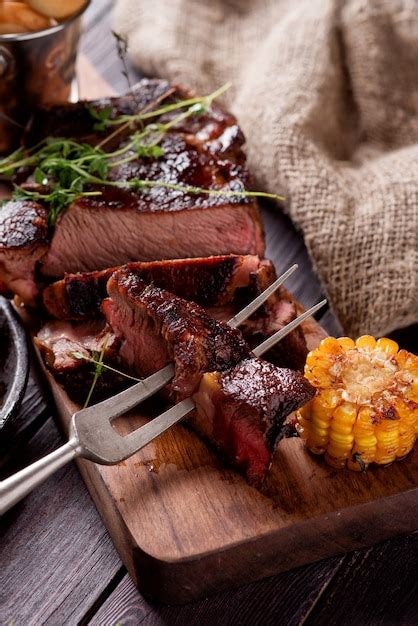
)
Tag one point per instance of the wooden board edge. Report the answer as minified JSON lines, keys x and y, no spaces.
{"x":186,"y":580}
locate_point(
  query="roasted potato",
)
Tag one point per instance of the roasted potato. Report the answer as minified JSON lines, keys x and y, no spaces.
{"x":58,"y":9}
{"x":17,"y":17}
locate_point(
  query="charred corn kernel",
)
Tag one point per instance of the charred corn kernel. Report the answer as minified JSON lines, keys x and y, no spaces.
{"x":323,"y":424}
{"x":323,"y":405}
{"x":328,"y":398}
{"x":366,"y":405}
{"x":367,"y":441}
{"x":306,"y":410}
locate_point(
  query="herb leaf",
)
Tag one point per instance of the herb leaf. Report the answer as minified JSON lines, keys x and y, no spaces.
{"x":65,"y":169}
{"x":101,"y":116}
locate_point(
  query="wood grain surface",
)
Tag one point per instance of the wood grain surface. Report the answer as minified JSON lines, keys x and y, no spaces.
{"x":367,"y":587}
{"x":187,"y":526}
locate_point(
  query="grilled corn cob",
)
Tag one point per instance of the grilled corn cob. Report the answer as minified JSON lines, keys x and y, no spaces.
{"x":366,"y":405}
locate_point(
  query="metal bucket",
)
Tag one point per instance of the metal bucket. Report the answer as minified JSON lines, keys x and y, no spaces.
{"x":36,"y":68}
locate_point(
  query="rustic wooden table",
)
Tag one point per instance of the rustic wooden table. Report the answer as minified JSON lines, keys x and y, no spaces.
{"x":60,"y":567}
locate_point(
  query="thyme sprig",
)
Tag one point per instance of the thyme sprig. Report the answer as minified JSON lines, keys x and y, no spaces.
{"x":65,"y":169}
{"x":98,"y":360}
{"x":94,"y":359}
{"x":98,"y":368}
{"x":200,"y":104}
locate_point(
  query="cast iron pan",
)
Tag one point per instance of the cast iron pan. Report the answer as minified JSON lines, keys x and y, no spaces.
{"x":14,"y":365}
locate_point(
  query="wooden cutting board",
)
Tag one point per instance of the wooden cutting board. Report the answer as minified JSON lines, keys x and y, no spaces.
{"x":186,"y":526}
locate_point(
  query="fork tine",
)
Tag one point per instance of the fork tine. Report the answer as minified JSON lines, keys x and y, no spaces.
{"x":127,"y":399}
{"x":271,"y":341}
{"x":155,"y":427}
{"x":259,"y":300}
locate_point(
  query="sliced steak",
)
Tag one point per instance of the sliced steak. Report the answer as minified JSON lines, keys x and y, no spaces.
{"x":59,"y":342}
{"x":23,"y":243}
{"x":152,"y":223}
{"x":222,"y":284}
{"x":212,"y":281}
{"x":157,"y":327}
{"x":76,"y":120}
{"x":281,"y":309}
{"x":241,"y":412}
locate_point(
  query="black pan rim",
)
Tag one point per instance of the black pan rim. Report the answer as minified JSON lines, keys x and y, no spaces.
{"x":15,"y":388}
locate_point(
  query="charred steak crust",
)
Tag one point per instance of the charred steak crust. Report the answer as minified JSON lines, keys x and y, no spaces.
{"x":185,"y":332}
{"x":23,"y":224}
{"x":224,"y":284}
{"x":75,"y":120}
{"x":153,"y":222}
{"x":241,"y":412}
{"x":24,"y":240}
{"x":77,"y":296}
{"x":211,"y":281}
{"x":272,"y":391}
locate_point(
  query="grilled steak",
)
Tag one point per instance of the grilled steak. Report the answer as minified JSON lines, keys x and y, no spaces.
{"x":241,"y":411}
{"x":58,"y":343}
{"x":23,"y":242}
{"x":212,"y":281}
{"x":222,"y":284}
{"x":75,"y":120}
{"x":280,"y":309}
{"x":155,"y":224}
{"x":157,"y":327}
{"x":125,"y":225}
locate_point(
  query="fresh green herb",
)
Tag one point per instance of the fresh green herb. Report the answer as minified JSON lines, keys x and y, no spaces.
{"x":136,"y":183}
{"x":81,"y":356}
{"x":357,"y":458}
{"x":57,"y":200}
{"x":65,"y":169}
{"x":195,"y":106}
{"x":97,"y":359}
{"x":101,"y":116}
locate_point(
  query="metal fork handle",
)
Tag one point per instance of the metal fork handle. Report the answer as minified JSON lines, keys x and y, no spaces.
{"x":16,"y":487}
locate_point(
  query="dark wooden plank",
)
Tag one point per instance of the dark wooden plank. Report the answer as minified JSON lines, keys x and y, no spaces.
{"x":283,"y":599}
{"x":100,"y":50}
{"x":375,"y":587}
{"x":192,"y":526}
{"x":56,"y":555}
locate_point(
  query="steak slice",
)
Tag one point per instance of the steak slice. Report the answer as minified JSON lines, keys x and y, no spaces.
{"x":152,"y":223}
{"x":212,"y":281}
{"x":222,"y":284}
{"x":241,"y":411}
{"x":58,"y":341}
{"x":23,"y":243}
{"x":280,"y":309}
{"x":157,"y":327}
{"x":117,"y":228}
{"x":76,"y":121}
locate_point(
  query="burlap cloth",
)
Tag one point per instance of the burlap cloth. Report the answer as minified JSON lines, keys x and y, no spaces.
{"x":326,"y":92}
